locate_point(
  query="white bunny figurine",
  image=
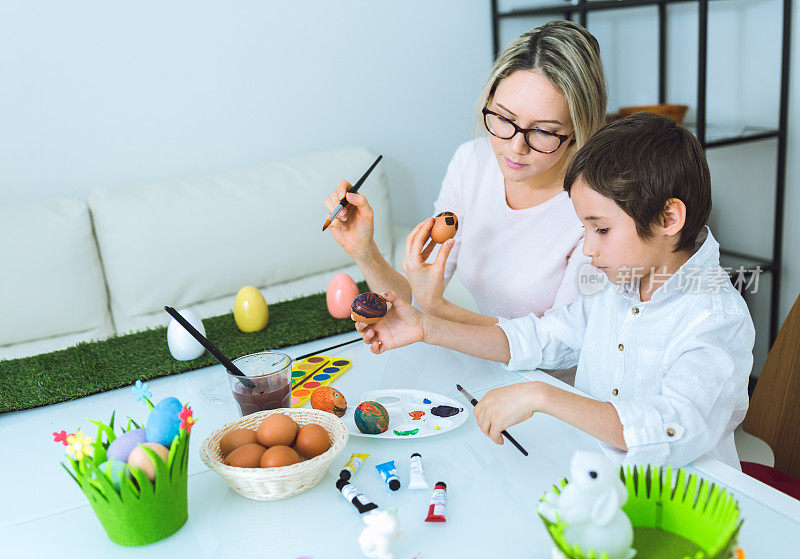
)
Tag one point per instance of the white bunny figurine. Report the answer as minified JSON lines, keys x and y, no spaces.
{"x":377,"y":539}
{"x":591,"y":506}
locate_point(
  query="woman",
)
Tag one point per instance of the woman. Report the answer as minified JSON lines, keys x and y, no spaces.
{"x":544,"y":98}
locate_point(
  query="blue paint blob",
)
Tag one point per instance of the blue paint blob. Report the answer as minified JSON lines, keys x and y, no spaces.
{"x":426,"y":401}
{"x":321,"y":376}
{"x":330,"y":370}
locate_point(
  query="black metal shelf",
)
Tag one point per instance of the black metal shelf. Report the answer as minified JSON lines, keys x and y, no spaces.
{"x":582,"y":9}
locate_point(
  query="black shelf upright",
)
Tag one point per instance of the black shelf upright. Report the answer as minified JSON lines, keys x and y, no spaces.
{"x":570,"y":9}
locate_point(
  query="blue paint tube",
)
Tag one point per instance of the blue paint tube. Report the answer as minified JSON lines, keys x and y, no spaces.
{"x":388,"y":472}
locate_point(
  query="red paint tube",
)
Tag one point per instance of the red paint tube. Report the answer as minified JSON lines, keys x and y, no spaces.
{"x":438,"y":500}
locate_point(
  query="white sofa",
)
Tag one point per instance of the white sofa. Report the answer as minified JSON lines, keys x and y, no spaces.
{"x":75,"y":270}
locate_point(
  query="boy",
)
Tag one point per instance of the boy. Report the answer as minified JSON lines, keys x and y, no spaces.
{"x":664,"y":349}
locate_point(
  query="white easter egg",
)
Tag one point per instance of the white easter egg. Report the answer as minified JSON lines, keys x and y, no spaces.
{"x":182,"y":344}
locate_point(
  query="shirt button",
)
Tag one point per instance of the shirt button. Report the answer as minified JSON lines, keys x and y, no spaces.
{"x":620,"y":347}
{"x":635,"y":310}
{"x":670,"y":432}
{"x":615,"y":392}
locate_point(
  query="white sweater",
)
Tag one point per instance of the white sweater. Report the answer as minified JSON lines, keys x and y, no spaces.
{"x":513,"y":262}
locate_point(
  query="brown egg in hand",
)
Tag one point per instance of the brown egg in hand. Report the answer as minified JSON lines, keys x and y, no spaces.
{"x":277,"y":429}
{"x":444,"y":227}
{"x":278,"y":456}
{"x":247,"y":456}
{"x":369,"y":308}
{"x":312,"y":440}
{"x":235,"y":438}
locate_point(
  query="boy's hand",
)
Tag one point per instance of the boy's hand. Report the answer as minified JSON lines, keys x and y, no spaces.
{"x":402,"y":325}
{"x":506,"y":406}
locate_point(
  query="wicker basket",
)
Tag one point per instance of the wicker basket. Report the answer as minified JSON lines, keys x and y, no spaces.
{"x":675,"y":112}
{"x":271,"y":484}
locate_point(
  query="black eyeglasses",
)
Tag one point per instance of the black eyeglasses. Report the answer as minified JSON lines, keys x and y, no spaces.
{"x":537,"y":139}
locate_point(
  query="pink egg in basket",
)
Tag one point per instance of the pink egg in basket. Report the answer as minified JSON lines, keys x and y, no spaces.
{"x":341,"y":292}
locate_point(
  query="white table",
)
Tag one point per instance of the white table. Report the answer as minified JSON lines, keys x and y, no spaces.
{"x":492,"y":490}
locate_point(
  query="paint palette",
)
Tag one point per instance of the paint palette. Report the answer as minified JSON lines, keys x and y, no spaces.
{"x":312,"y":372}
{"x":409,"y":413}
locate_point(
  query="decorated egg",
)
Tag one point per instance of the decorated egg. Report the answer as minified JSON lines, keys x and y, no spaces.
{"x":163,"y":422}
{"x":250,"y":310}
{"x":247,"y":456}
{"x":278,"y":456}
{"x":181,"y":343}
{"x":371,"y":418}
{"x":341,"y":292}
{"x":141,"y":460}
{"x":121,"y":447}
{"x":444,"y":227}
{"x":312,"y":440}
{"x":235,"y":438}
{"x":277,"y":429}
{"x":368,"y":307}
{"x":327,"y":398}
{"x":113,"y":470}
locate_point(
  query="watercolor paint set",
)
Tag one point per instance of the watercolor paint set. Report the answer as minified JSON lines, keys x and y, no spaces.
{"x":412,"y":413}
{"x":312,"y":372}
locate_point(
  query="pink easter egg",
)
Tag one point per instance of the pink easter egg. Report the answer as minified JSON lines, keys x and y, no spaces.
{"x":341,"y":292}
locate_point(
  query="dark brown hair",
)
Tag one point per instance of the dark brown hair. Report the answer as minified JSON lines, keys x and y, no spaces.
{"x":642,"y":161}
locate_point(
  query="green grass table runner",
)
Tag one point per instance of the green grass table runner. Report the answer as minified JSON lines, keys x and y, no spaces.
{"x":98,"y":366}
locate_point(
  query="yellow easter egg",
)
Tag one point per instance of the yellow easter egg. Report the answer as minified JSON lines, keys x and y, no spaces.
{"x":250,"y":310}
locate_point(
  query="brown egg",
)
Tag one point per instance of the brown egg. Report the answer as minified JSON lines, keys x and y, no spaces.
{"x":277,"y":429}
{"x":247,"y":456}
{"x":138,"y":458}
{"x":444,"y":227}
{"x":235,"y":438}
{"x":279,"y":455}
{"x":312,"y":440}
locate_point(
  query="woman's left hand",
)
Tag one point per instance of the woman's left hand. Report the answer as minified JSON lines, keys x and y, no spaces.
{"x":426,"y":280}
{"x":506,"y":406}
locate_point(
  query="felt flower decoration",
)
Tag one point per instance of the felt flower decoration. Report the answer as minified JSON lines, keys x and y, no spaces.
{"x":141,"y":391}
{"x":79,"y":444}
{"x":187,"y":421}
{"x":60,"y":437}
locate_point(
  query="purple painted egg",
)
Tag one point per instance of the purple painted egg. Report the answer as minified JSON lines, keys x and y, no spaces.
{"x":368,"y":307}
{"x":121,"y":447}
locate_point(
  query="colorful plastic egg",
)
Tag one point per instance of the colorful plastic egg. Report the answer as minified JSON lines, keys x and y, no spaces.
{"x":371,"y":418}
{"x":368,"y":307}
{"x":250,"y":310}
{"x":327,"y":398}
{"x":163,"y":422}
{"x":341,"y":292}
{"x":141,"y":460}
{"x":181,"y":343}
{"x":114,"y":470}
{"x":444,"y":227}
{"x":121,"y":447}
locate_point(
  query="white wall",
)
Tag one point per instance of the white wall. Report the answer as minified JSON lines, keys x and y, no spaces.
{"x":98,"y":93}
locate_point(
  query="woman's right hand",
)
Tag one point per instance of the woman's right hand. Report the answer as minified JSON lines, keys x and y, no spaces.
{"x":354,"y":226}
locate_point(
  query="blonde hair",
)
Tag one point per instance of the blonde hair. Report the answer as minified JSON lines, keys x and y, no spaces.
{"x":569,"y":56}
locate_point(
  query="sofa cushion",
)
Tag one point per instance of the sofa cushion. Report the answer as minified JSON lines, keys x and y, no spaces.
{"x":182,"y":243}
{"x":52,"y":283}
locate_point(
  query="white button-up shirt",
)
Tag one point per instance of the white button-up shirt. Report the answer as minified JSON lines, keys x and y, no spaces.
{"x":675,"y":367}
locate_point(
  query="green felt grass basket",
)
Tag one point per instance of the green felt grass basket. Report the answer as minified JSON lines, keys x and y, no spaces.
{"x":674,"y":516}
{"x":140,"y":511}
